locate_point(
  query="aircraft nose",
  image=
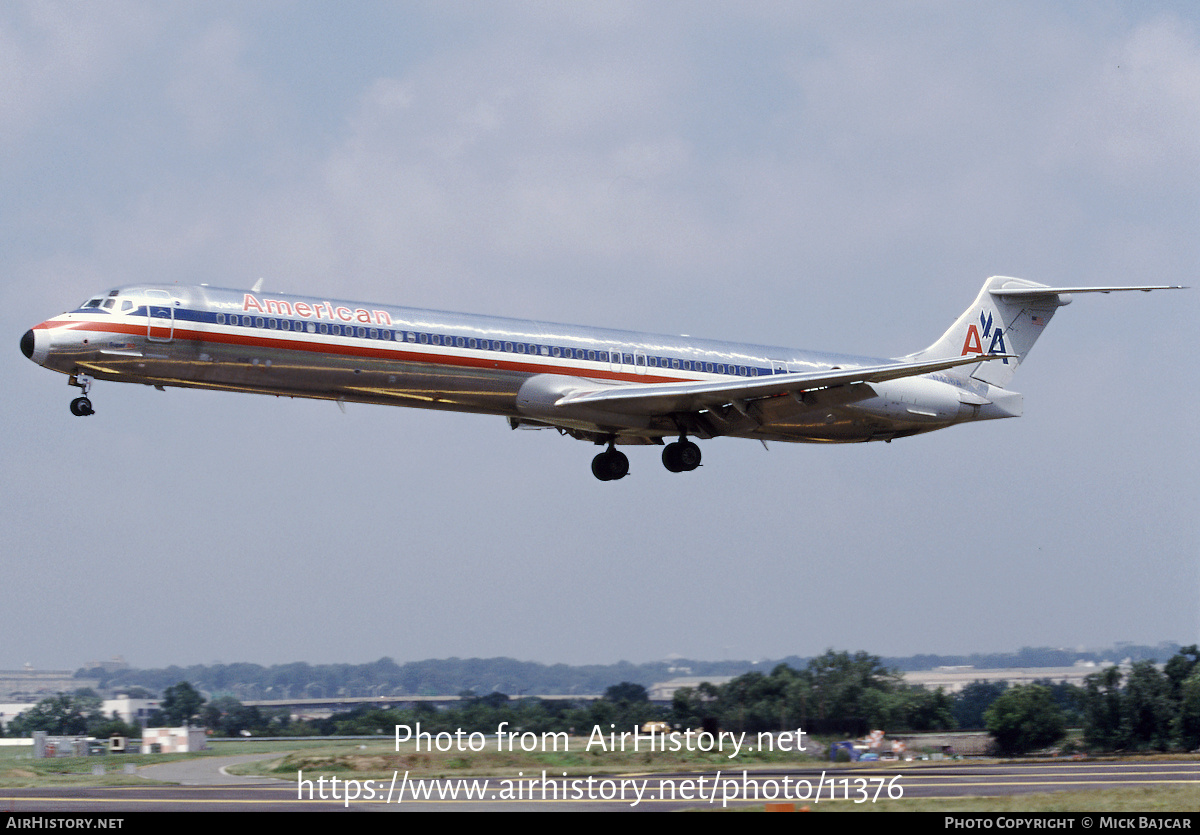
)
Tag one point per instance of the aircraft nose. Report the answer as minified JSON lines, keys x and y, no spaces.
{"x":27,"y":344}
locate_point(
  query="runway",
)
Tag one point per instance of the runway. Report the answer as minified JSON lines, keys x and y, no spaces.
{"x":207,"y":787}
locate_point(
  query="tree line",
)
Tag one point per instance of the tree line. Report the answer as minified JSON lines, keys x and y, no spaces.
{"x":440,"y":677}
{"x":837,"y":694}
{"x":1147,"y":709}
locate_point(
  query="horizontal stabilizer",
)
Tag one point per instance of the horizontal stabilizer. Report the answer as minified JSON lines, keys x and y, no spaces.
{"x":1037,"y":292}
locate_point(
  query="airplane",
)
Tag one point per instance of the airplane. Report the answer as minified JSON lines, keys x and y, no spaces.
{"x":609,"y":387}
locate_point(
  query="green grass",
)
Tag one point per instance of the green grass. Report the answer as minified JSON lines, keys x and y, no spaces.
{"x":19,"y":769}
{"x":378,"y":759}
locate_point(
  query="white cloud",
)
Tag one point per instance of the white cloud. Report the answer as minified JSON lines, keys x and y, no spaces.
{"x":52,"y":54}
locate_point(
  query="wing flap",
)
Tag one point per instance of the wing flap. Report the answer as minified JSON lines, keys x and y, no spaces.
{"x":666,"y":398}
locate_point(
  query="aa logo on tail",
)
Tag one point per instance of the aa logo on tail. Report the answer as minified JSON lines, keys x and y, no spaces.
{"x":973,"y":344}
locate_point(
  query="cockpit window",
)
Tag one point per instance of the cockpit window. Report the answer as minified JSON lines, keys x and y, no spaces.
{"x":108,"y":304}
{"x":92,"y":302}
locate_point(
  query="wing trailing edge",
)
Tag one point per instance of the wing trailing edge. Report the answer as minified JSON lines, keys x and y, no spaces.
{"x":668,"y":398}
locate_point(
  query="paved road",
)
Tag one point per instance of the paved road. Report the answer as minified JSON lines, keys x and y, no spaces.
{"x":209,"y":771}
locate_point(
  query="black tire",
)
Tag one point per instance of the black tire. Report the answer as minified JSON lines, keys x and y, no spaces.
{"x":689,"y":456}
{"x":670,"y":458}
{"x":610,"y":465}
{"x":81,"y":407}
{"x":600,"y":467}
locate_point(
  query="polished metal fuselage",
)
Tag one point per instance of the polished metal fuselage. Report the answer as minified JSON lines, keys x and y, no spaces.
{"x":269,"y":343}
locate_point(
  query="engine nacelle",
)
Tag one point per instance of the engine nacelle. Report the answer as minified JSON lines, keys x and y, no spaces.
{"x":919,"y":400}
{"x":538,"y":396}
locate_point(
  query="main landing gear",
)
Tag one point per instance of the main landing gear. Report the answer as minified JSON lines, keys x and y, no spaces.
{"x":81,"y":406}
{"x":610,"y":464}
{"x":683,"y":456}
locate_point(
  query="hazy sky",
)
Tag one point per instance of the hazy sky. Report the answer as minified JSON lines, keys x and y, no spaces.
{"x":835,"y":176}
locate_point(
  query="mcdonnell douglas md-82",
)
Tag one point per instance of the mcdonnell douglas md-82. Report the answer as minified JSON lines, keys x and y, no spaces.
{"x":609,"y":387}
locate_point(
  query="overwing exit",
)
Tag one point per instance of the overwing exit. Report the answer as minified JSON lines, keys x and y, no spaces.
{"x":608,"y":387}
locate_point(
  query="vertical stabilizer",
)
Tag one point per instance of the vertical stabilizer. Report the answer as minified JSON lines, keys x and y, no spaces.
{"x":1007,"y":317}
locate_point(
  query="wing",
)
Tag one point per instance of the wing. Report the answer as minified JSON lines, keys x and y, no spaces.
{"x":668,"y":398}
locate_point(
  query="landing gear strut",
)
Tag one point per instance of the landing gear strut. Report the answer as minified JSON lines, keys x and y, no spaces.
{"x":81,"y":406}
{"x":610,"y":465}
{"x":682,"y":456}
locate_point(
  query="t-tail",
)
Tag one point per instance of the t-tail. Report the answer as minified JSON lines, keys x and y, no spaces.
{"x":1007,"y":317}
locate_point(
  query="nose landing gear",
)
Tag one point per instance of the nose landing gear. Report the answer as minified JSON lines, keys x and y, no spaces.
{"x":81,"y":406}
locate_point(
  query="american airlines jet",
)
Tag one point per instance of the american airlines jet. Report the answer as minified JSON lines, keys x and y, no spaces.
{"x":609,"y":387}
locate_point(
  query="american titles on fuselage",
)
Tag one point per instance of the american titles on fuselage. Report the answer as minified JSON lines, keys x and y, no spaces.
{"x":307,"y":310}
